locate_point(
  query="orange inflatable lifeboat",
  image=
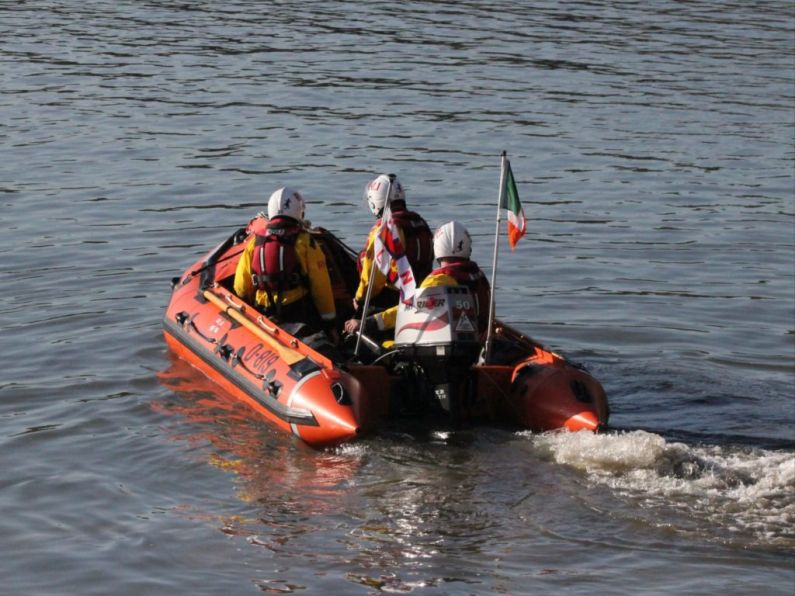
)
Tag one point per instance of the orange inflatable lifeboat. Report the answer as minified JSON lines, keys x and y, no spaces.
{"x":326,"y":399}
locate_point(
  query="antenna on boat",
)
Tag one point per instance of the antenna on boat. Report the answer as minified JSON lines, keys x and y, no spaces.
{"x":366,"y":305}
{"x":490,"y":329}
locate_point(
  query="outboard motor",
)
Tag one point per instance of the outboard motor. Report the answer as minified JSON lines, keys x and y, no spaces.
{"x":440,"y":333}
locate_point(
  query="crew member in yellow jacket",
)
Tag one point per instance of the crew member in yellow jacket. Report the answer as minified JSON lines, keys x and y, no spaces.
{"x":415,"y":236}
{"x":452,"y":246}
{"x":283,"y":270}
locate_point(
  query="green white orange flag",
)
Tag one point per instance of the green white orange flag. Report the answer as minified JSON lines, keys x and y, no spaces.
{"x":509,"y":200}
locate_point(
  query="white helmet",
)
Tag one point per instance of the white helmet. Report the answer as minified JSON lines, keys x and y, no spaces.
{"x":286,"y":202}
{"x":375,"y":192}
{"x":452,"y":240}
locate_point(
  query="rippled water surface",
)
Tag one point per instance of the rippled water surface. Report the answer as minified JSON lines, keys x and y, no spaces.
{"x":652,"y":144}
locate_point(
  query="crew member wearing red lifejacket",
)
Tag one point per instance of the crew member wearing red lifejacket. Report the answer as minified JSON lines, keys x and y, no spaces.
{"x":415,"y":236}
{"x":283,"y":270}
{"x":452,"y":246}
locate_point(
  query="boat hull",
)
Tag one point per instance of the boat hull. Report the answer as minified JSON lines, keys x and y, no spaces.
{"x":291,"y":385}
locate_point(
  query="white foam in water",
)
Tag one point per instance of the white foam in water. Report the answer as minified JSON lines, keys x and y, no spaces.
{"x":743,"y":490}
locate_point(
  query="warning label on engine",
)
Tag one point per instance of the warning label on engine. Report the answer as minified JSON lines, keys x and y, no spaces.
{"x":464,"y":324}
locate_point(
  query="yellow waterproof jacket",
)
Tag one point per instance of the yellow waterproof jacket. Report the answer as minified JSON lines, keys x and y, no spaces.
{"x":379,"y":281}
{"x":386,"y":319}
{"x":313,"y":264}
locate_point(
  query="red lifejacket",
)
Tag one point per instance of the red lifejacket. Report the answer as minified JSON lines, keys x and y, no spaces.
{"x":467,"y":273}
{"x":419,"y":243}
{"x":274,"y":263}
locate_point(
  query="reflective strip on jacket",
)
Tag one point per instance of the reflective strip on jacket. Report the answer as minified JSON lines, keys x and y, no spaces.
{"x":313,"y":264}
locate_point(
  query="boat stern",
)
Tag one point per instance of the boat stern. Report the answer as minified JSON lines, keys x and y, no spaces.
{"x":327,"y":394}
{"x":546,"y":397}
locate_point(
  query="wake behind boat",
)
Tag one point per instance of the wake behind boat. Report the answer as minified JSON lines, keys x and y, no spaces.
{"x":325,"y":395}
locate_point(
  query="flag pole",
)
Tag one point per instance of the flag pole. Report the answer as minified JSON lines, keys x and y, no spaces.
{"x":372,"y":270}
{"x":500,"y":197}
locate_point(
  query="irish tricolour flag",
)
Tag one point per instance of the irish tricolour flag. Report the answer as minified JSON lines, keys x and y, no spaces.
{"x":509,"y":200}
